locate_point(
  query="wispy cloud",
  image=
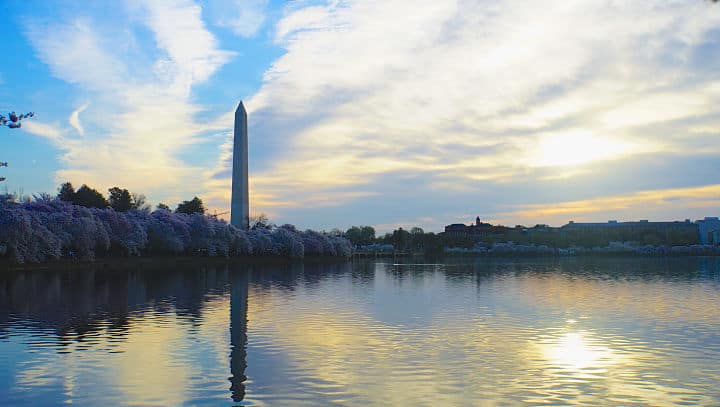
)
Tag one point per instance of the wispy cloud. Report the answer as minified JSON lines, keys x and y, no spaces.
{"x":48,"y":131}
{"x":243,"y":17}
{"x":74,"y":119}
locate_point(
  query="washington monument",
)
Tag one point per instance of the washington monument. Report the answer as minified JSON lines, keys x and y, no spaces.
{"x":240,"y":205}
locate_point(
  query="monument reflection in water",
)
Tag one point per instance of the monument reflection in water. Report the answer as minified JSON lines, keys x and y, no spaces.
{"x":514,"y":332}
{"x":238,"y":334}
{"x":68,"y":312}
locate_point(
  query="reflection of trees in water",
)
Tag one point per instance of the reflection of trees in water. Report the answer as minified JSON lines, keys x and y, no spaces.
{"x":589,"y":267}
{"x":642,"y":268}
{"x":363,"y":271}
{"x":288,"y":276}
{"x":413,"y":270}
{"x":73,"y":305}
{"x":76,"y":303}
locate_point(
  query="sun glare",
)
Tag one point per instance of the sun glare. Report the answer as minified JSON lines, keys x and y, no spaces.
{"x":576,"y":148}
{"x":574,"y":351}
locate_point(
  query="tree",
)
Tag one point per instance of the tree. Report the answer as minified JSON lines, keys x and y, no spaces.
{"x":360,"y":235}
{"x":66,"y":192}
{"x":354,"y":235}
{"x":416,"y":235}
{"x":194,"y":205}
{"x":90,"y":198}
{"x":139,"y":202}
{"x":120,"y":199}
{"x":367,"y":235}
{"x":260,"y":221}
{"x":162,"y":206}
{"x":13,"y":120}
{"x":401,"y":239}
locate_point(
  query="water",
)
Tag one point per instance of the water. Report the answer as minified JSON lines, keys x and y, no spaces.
{"x":459,"y":333}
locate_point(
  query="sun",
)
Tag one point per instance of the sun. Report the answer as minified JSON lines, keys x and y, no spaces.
{"x":576,"y":148}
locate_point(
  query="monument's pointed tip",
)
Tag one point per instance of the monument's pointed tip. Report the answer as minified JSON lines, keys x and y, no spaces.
{"x":241,"y":107}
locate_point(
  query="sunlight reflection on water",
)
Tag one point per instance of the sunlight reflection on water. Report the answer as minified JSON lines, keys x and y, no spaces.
{"x":576,"y":351}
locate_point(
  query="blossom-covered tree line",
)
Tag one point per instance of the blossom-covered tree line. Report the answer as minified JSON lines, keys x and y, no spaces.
{"x":49,"y":228}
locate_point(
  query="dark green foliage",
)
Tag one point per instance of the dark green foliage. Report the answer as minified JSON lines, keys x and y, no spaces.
{"x":66,"y":192}
{"x":120,"y":199}
{"x":401,"y":239}
{"x":683,"y":234}
{"x":416,"y":240}
{"x":89,"y":198}
{"x":361,"y":235}
{"x":162,"y":206}
{"x":194,"y":205}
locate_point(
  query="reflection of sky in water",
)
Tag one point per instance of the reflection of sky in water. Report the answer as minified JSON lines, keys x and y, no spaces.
{"x":591,"y":332}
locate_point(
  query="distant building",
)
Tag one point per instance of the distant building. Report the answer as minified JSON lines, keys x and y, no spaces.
{"x":637,"y":225}
{"x":477,"y":229}
{"x":709,"y":230}
{"x":673,"y":232}
{"x":590,"y":234}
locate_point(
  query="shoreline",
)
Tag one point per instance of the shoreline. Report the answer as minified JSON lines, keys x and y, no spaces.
{"x":110,"y":263}
{"x":149,"y":262}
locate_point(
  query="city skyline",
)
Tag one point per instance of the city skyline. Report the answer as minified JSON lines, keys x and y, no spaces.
{"x":368,"y":112}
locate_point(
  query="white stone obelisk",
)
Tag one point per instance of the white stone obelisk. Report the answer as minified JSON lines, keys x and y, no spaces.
{"x":240,"y":205}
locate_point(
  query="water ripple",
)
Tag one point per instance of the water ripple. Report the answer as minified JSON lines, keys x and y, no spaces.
{"x":508,"y":332}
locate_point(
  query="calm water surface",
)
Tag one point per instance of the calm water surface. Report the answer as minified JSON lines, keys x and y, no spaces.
{"x":459,"y":333}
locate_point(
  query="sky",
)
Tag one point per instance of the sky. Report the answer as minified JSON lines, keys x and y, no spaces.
{"x":390,"y":113}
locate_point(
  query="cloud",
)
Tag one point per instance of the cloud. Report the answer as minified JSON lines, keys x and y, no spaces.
{"x":68,"y":48}
{"x":658,"y":204}
{"x":74,"y":119}
{"x":48,"y":131}
{"x":143,"y":118}
{"x":191,"y":53}
{"x":439,"y":107}
{"x":373,"y":88}
{"x":243,"y":17}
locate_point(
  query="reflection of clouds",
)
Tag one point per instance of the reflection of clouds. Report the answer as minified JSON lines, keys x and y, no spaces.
{"x":341,"y":357}
{"x":141,"y":370}
{"x":344,"y":354}
{"x":499,"y":343}
{"x":149,"y":372}
{"x":668,"y":302}
{"x":213,"y":332}
{"x":159,"y":360}
{"x":487,"y":333}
